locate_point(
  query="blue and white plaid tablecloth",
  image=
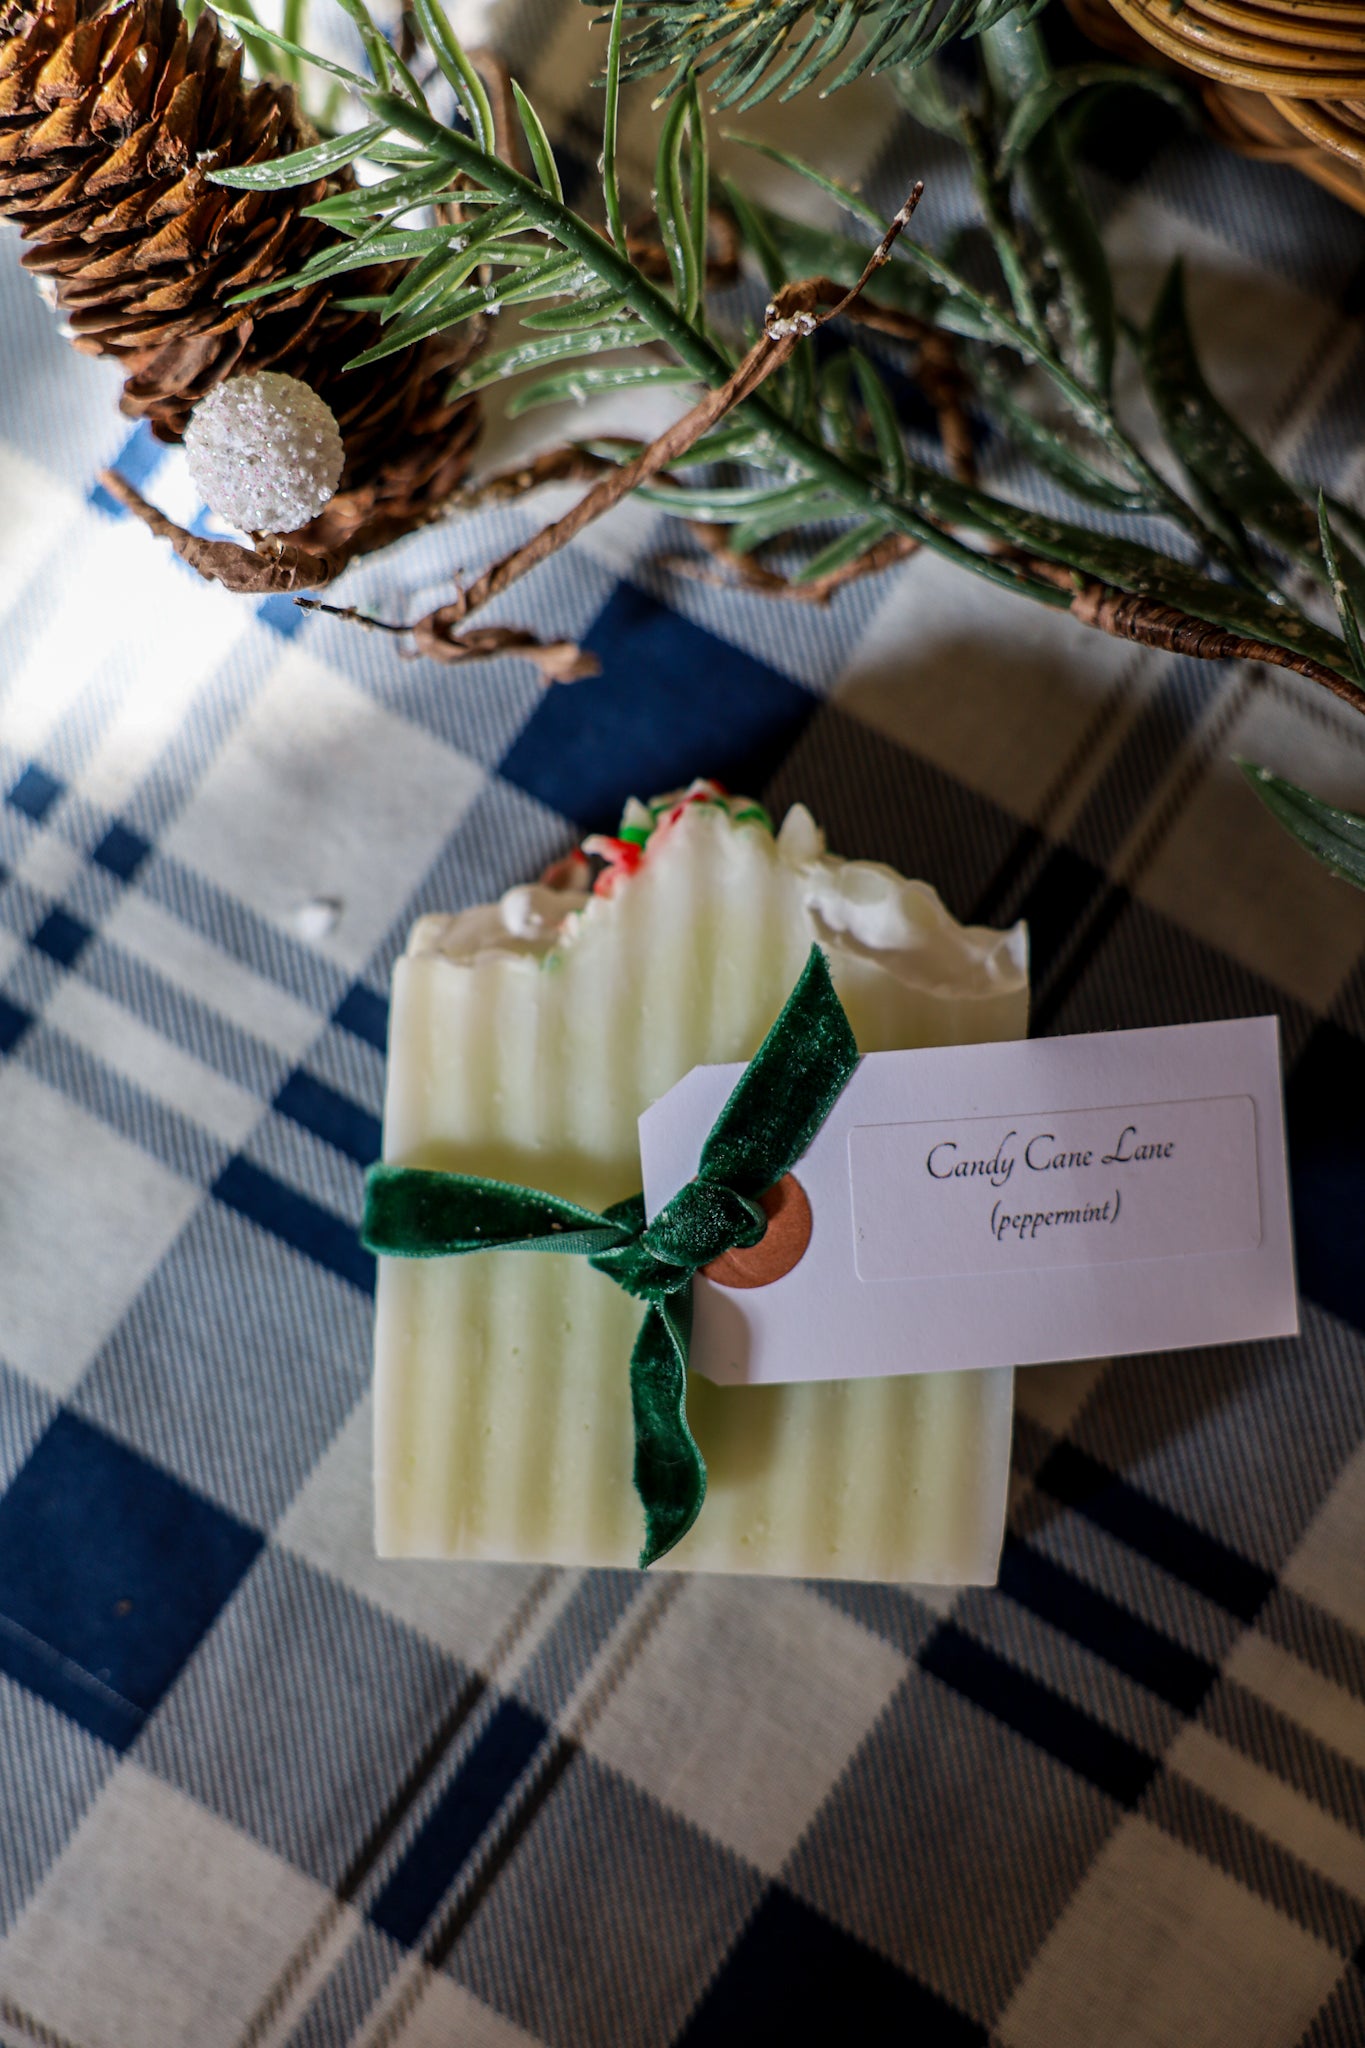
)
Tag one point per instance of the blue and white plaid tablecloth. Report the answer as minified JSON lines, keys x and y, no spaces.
{"x":256,"y":1788}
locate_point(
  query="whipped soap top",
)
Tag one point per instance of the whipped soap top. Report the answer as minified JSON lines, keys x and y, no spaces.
{"x":856,"y":907}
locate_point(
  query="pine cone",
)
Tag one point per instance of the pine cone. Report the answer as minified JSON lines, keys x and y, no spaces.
{"x":111,"y":118}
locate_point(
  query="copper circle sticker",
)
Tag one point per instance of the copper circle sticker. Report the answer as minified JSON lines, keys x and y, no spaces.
{"x":781,"y":1246}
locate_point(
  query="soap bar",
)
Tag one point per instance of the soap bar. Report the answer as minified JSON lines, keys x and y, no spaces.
{"x":526,"y":1038}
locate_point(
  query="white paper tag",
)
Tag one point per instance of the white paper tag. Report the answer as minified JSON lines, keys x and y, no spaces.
{"x":1008,"y":1204}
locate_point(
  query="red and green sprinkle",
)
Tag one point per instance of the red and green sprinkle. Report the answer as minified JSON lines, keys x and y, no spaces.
{"x":623,"y":854}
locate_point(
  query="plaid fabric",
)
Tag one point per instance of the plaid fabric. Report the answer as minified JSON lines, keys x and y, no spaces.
{"x":257,"y":1789}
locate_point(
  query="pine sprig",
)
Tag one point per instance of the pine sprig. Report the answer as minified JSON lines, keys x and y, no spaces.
{"x":518,"y":245}
{"x":759,"y":47}
{"x":821,"y":445}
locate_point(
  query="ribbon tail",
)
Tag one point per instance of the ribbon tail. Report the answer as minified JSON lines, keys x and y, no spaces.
{"x":670,"y":1473}
{"x":415,"y":1212}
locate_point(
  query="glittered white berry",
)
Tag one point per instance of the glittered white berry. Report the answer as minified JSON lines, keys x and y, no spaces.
{"x":264,"y":451}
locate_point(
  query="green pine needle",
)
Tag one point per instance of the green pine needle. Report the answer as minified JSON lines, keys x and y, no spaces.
{"x":753,"y":48}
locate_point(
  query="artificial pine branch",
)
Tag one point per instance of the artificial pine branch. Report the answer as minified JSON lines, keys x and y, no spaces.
{"x":819,"y":443}
{"x":548,"y":252}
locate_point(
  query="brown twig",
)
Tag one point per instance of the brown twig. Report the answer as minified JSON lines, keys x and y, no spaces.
{"x":794,"y":314}
{"x":1129,"y":617}
{"x":940,"y":378}
{"x":567,"y":464}
{"x":1121,"y":613}
{"x":937,"y":372}
{"x":571,"y":463}
{"x":279,"y":567}
{"x":351,"y":615}
{"x":738,"y":569}
{"x":559,"y":661}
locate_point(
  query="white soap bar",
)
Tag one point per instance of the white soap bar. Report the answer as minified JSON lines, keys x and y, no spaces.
{"x":526,"y":1038}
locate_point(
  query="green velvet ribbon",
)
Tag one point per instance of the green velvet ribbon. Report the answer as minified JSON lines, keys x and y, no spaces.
{"x":779,"y":1103}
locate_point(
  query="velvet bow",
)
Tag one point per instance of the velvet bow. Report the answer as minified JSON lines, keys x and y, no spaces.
{"x":779,"y":1103}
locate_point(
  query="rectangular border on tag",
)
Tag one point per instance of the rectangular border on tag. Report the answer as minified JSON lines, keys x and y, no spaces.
{"x":1203,"y":1199}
